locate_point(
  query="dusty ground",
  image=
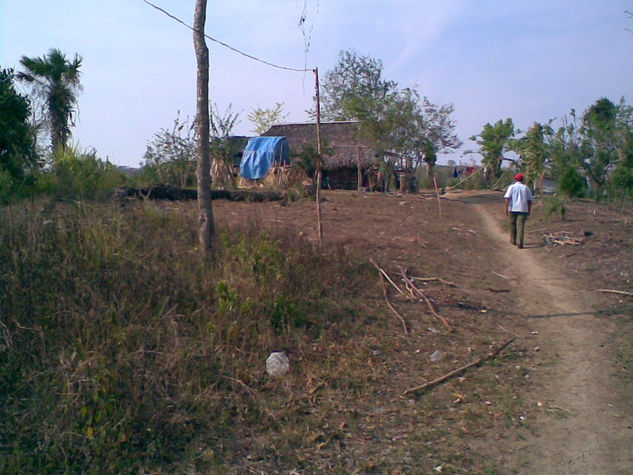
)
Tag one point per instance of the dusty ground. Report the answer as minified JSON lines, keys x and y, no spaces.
{"x":588,"y":430}
{"x":557,"y":400}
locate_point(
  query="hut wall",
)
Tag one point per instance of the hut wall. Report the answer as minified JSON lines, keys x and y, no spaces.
{"x":345,"y":143}
{"x":341,"y":178}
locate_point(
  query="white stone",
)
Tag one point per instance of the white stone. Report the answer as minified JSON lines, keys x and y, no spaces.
{"x":277,"y":364}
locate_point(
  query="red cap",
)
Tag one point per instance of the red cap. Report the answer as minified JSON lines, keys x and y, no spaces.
{"x":518,"y":177}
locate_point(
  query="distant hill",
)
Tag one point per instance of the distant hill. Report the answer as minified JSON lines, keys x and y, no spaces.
{"x":128,"y":170}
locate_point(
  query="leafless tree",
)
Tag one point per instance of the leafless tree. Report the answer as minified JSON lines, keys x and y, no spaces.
{"x":206,"y":230}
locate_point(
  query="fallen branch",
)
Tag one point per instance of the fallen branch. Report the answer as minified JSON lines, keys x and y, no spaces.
{"x":391,"y":307}
{"x":619,"y":292}
{"x":435,"y":279}
{"x":413,"y":288}
{"x":498,"y":290}
{"x":474,"y":173}
{"x":383,"y":273}
{"x":457,"y":371}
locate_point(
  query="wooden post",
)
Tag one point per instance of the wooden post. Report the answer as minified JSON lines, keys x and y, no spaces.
{"x":439,"y":202}
{"x":319,"y":168}
{"x":360,"y":170}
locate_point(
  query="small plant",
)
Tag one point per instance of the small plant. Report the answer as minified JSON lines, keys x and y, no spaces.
{"x":555,"y":206}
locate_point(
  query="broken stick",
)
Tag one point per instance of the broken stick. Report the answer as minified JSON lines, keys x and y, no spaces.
{"x":619,"y":292}
{"x":435,"y":279}
{"x":457,"y":371}
{"x":383,"y":273}
{"x":424,"y":297}
{"x":391,"y":307}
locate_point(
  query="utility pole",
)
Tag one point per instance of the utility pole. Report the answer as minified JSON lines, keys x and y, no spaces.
{"x":319,"y":162}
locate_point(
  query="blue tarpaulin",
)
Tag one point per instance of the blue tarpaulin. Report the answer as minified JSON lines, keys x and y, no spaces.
{"x":260,"y":154}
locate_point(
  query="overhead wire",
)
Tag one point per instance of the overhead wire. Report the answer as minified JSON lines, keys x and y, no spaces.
{"x":250,"y":56}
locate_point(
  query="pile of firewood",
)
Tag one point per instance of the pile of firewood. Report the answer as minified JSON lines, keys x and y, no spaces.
{"x":563,"y":238}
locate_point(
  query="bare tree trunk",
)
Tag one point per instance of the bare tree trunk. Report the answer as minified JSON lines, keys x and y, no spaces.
{"x":206,"y":229}
{"x":319,"y":170}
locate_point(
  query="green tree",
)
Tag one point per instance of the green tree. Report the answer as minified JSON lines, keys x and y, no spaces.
{"x":600,"y":140}
{"x":223,"y":148}
{"x":407,"y":128}
{"x":596,"y":149}
{"x":309,"y":160}
{"x":533,"y":152}
{"x":171,"y":154}
{"x":263,"y":119}
{"x":571,"y":183}
{"x":439,"y":132}
{"x":494,"y":141}
{"x":55,"y":79}
{"x":17,"y":149}
{"x":621,"y":180}
{"x":565,"y":146}
{"x":353,"y":88}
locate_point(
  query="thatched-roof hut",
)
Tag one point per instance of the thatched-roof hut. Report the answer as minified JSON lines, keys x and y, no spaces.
{"x":349,"y":150}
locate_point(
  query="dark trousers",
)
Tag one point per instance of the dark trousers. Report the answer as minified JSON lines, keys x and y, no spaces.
{"x":517,"y":227}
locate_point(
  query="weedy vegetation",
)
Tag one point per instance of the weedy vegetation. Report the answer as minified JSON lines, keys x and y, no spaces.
{"x":121,"y":351}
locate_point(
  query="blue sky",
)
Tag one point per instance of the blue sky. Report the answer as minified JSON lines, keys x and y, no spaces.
{"x":529,"y":60}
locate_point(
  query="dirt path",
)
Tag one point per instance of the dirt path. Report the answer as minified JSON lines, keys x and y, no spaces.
{"x":581,"y":429}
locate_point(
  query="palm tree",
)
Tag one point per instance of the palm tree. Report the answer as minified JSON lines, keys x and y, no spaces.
{"x":55,"y":79}
{"x":493,"y":141}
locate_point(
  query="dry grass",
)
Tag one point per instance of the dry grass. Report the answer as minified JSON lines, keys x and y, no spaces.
{"x":121,"y":352}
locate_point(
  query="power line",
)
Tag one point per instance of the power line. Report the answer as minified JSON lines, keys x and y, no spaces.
{"x":224,"y":44}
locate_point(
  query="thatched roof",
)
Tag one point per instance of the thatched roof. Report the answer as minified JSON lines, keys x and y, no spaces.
{"x":342,"y":137}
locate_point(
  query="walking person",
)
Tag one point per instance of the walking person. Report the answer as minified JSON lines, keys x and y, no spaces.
{"x":518,"y":206}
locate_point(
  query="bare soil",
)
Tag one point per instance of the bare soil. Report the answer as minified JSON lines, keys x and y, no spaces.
{"x":557,"y":400}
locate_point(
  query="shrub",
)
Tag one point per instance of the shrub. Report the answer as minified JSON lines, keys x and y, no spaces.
{"x":7,"y":187}
{"x":12,"y":189}
{"x":622,"y":182}
{"x":571,"y":183}
{"x":77,"y":175}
